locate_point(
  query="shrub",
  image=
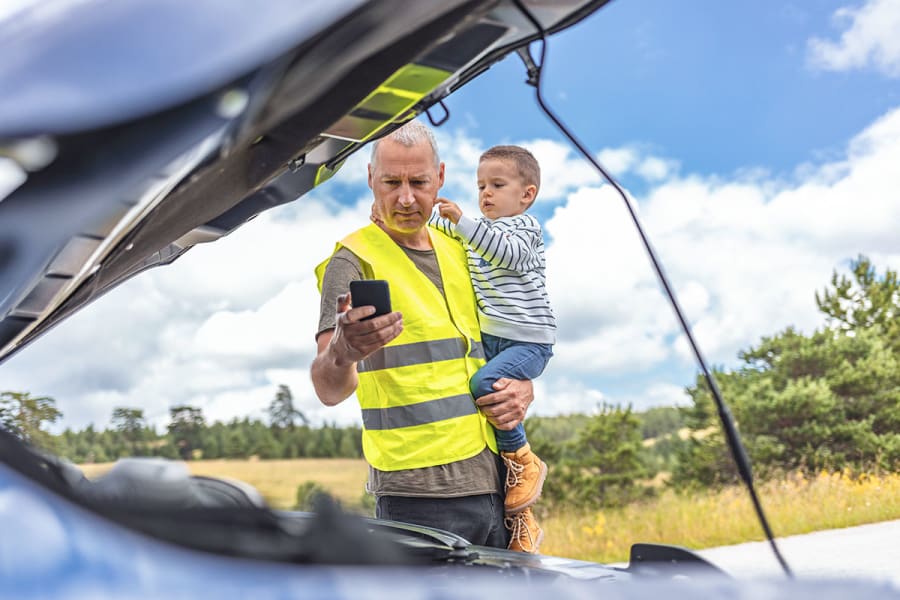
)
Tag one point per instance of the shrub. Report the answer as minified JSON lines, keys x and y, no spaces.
{"x":308,"y":493}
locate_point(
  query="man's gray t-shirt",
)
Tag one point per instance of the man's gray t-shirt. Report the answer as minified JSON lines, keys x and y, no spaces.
{"x":469,"y":477}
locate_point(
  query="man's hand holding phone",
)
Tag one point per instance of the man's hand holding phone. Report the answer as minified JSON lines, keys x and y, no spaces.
{"x":371,"y":292}
{"x":365,"y":325}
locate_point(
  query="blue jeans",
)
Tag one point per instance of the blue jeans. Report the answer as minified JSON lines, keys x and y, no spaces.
{"x":479,"y":519}
{"x":515,"y":360}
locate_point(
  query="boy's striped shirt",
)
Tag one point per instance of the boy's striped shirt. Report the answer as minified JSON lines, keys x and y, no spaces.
{"x":506,"y":263}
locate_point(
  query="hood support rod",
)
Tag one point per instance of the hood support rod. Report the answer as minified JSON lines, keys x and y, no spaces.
{"x":728,"y":426}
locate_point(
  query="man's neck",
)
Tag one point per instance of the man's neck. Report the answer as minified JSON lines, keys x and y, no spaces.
{"x":417,"y":240}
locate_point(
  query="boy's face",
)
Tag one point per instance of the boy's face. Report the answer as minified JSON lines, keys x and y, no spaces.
{"x":501,"y":190}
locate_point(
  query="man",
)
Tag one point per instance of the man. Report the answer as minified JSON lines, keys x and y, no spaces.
{"x":431,"y":452}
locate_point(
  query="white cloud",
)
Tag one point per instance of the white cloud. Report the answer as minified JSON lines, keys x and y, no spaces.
{"x":305,"y":400}
{"x":744,"y":257}
{"x":228,"y":322}
{"x":206,"y":330}
{"x":665,"y":394}
{"x":656,"y":169}
{"x":459,"y":152}
{"x":561,"y":170}
{"x":564,"y":396}
{"x":870,"y":38}
{"x":655,"y":394}
{"x":609,"y":310}
{"x":262,"y":335}
{"x":618,"y":160}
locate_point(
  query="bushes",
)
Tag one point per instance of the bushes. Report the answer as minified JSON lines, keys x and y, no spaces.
{"x":308,"y":494}
{"x":600,"y":466}
{"x":311,"y":494}
{"x":829,"y":400}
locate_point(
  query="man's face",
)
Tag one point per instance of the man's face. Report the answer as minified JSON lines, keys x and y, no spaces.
{"x":405,"y":183}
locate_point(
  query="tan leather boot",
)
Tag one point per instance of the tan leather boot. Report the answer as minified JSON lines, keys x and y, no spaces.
{"x":525,"y":533}
{"x":525,"y":475}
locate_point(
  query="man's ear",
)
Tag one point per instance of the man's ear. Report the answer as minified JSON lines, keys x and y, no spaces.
{"x":369,"y":171}
{"x":441,"y":175}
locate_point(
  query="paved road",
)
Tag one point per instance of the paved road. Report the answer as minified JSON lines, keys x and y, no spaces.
{"x":866,"y":552}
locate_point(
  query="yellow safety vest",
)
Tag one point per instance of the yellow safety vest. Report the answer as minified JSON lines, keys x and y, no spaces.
{"x":417,"y":409}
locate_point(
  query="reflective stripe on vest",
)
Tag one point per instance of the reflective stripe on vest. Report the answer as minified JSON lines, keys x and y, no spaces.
{"x":417,"y":353}
{"x":396,"y":417}
{"x":414,"y":393}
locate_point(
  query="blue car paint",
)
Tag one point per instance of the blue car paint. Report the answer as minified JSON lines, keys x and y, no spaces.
{"x":52,"y":548}
{"x":72,"y":64}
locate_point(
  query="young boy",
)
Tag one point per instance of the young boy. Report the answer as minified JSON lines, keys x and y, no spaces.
{"x":518,"y":328}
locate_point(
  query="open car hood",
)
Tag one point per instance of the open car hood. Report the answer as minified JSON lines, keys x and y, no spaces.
{"x":137,"y":130}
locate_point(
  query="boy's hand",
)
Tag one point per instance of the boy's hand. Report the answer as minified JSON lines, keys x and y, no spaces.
{"x":449,"y":210}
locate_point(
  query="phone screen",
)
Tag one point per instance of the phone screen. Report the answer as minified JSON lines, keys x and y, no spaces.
{"x":371,"y":292}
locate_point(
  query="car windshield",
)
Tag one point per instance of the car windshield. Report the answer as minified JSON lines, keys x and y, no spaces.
{"x":763,"y":167}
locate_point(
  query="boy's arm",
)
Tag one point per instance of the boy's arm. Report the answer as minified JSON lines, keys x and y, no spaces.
{"x":511,"y":244}
{"x":443,"y":225}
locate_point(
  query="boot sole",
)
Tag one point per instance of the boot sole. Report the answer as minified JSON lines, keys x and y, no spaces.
{"x":511,"y":510}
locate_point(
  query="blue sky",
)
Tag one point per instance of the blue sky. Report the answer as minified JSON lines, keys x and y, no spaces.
{"x":760,"y":142}
{"x":720,"y":85}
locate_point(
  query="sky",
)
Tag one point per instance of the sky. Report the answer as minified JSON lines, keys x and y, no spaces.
{"x":758,"y":141}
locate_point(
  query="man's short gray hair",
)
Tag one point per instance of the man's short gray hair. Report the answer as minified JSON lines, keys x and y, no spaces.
{"x":409,"y":135}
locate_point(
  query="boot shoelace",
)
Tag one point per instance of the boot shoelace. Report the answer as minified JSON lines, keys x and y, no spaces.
{"x":513,"y":471}
{"x":519,"y":529}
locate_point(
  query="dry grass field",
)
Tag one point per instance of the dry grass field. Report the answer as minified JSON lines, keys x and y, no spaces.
{"x":277,"y":480}
{"x":794,"y":505}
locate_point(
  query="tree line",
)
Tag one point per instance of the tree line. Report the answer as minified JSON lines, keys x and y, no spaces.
{"x":187,"y":436}
{"x":826,"y":400}
{"x":829,"y":400}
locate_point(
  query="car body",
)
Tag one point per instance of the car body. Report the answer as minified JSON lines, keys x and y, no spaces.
{"x":128,"y":166}
{"x":141,"y":129}
{"x":178,"y":143}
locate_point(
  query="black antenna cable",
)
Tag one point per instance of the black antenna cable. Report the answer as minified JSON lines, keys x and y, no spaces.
{"x":731,"y":433}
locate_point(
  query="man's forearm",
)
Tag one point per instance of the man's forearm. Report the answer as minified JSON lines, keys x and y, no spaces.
{"x":332,"y":380}
{"x":333,"y":371}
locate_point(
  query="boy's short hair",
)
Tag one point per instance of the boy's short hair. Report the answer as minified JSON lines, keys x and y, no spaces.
{"x":526,"y":163}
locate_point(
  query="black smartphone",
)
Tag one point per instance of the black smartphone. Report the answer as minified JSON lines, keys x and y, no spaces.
{"x":371,"y":292}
